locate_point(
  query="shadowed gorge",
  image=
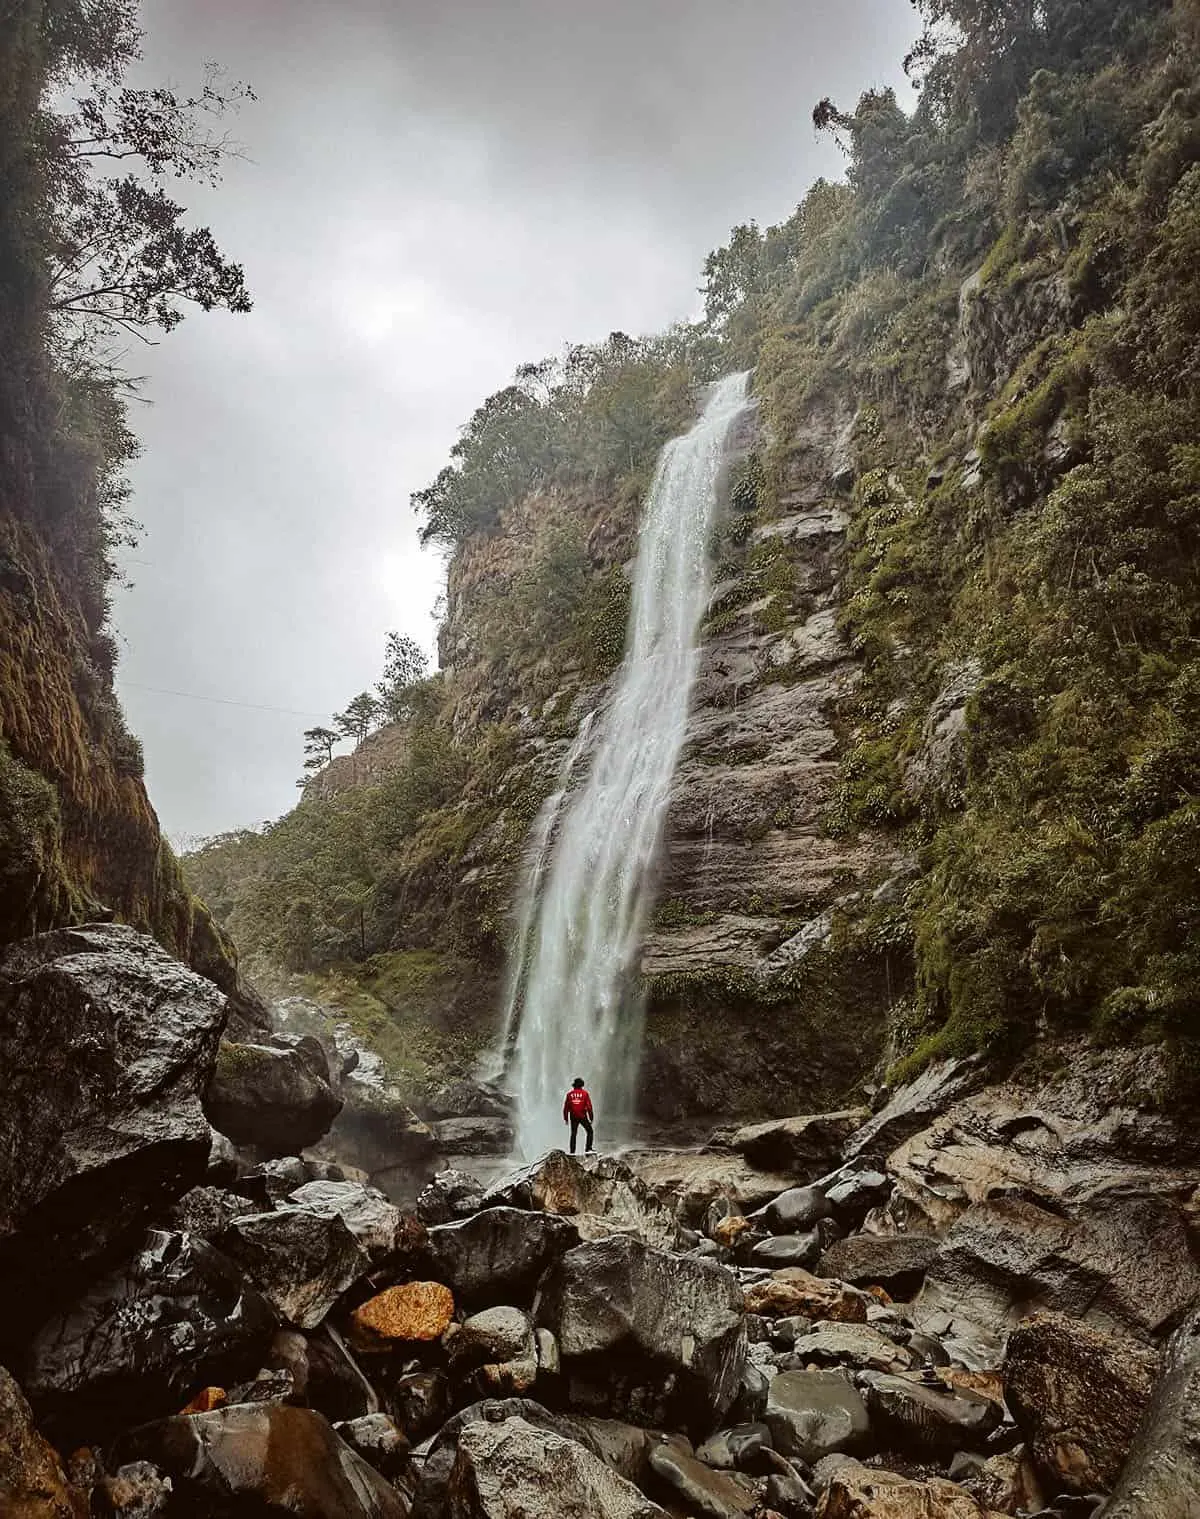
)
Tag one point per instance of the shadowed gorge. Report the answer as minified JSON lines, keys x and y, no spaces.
{"x":809,"y":766}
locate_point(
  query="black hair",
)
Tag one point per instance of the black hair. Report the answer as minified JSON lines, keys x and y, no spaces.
{"x":578,"y":1081}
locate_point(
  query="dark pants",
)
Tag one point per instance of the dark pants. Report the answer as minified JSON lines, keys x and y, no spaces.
{"x":586,"y":1125}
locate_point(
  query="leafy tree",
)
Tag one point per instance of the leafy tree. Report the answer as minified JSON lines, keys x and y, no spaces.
{"x":404,"y":665}
{"x":121,"y":259}
{"x":360,"y":716}
{"x":318,"y":748}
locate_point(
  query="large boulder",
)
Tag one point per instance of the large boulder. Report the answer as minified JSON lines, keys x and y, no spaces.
{"x":33,"y":1484}
{"x":896,"y":1262}
{"x":860,"y":1492}
{"x":713,"y":1494}
{"x":797,"y":1209}
{"x":277,"y":1098}
{"x":139,"y":1343}
{"x":1054,"y":1370}
{"x":1095,"y":1135}
{"x":106,"y":1044}
{"x":600,"y":1195}
{"x":511,"y":1470}
{"x":656,"y":1338}
{"x":411,"y":1314}
{"x":464,"y":1098}
{"x":928,"y":1418}
{"x":430,"y":1499}
{"x":375,"y":1223}
{"x":265,"y":1458}
{"x":911,"y":1107}
{"x":857,"y":1346}
{"x":474,"y":1135}
{"x":301,"y":1262}
{"x":802,"y":1148}
{"x":689,"y":1181}
{"x":450,"y":1195}
{"x":1121,"y":1262}
{"x":1162,"y":1475}
{"x":499,"y":1255}
{"x":815,"y":1413}
{"x":795,"y":1291}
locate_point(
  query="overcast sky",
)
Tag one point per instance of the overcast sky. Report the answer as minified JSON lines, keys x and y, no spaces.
{"x":434,"y":191}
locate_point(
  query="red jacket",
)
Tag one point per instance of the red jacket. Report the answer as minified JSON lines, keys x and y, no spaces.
{"x":578,"y":1104}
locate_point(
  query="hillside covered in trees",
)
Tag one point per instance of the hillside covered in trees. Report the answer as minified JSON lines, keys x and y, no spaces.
{"x":994,"y":324}
{"x":95,"y":255}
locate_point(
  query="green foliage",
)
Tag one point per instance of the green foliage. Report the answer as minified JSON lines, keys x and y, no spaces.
{"x":30,"y":845}
{"x":596,"y":417}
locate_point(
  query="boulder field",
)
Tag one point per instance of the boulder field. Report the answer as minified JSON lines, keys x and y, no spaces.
{"x":978,"y":1299}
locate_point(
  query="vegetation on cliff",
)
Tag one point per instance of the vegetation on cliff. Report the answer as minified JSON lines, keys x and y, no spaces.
{"x":93,"y":252}
{"x":1005,"y":298}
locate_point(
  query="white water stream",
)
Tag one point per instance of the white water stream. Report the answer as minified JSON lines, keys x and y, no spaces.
{"x":571,"y":992}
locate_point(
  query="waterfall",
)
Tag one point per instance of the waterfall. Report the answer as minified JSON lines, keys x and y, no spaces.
{"x":578,"y":1015}
{"x":492,"y":1066}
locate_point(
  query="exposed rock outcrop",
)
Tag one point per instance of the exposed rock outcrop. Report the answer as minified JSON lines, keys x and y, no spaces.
{"x":106,"y":1044}
{"x":275,"y":1098}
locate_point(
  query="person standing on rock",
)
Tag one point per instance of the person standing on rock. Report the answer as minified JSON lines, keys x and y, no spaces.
{"x":577,"y":1111}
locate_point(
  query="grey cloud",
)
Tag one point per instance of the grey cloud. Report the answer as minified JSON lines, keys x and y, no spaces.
{"x":433,"y":192}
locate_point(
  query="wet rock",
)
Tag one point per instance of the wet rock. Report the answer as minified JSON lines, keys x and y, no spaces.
{"x":928,"y":1417}
{"x":714,"y":1494}
{"x":106,"y":1044}
{"x":750,"y":1400}
{"x":474,"y":1136}
{"x":796,"y":1291}
{"x":330,"y":1380}
{"x":300,"y":1261}
{"x":1081,"y":1143}
{"x":735,"y":1449}
{"x":655,"y":1338}
{"x":431,"y":1495}
{"x":689,"y":1182}
{"x":33,"y":1484}
{"x":787,"y":1493}
{"x":281,"y":1460}
{"x":278,"y":1099}
{"x":499,"y":1345}
{"x":805,"y":1146}
{"x":140,"y":1341}
{"x":1054,"y":1371}
{"x":912,"y":1106}
{"x":137,"y":1490}
{"x":378,"y":1132}
{"x":207,"y":1211}
{"x":851,"y":1194}
{"x":796,"y":1210}
{"x":1122,"y":1262}
{"x":378,"y":1440}
{"x":373,"y":1221}
{"x":898,"y":1263}
{"x":450,"y":1195}
{"x":787,"y":1250}
{"x":512,"y":1469}
{"x":859,"y":1492}
{"x":601,"y":1196}
{"x":1006,"y":1482}
{"x":420,"y":1403}
{"x":499,"y":1255}
{"x":854,"y":1345}
{"x":413,"y":1313}
{"x":814,"y":1413}
{"x":469,"y":1099}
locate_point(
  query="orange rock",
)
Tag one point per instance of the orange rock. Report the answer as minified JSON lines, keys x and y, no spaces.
{"x":416,"y":1311}
{"x":881,"y":1294}
{"x":206,"y":1400}
{"x":795,"y":1291}
{"x":727,"y":1231}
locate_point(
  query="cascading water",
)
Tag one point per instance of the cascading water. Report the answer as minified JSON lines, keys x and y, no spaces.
{"x":536,"y":853}
{"x":577,"y":1016}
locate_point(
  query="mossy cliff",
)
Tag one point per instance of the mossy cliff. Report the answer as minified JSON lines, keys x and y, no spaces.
{"x":939,"y":790}
{"x":78,"y":836}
